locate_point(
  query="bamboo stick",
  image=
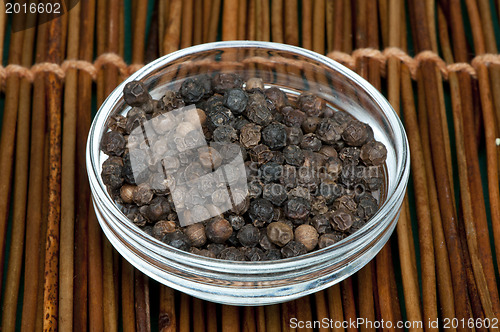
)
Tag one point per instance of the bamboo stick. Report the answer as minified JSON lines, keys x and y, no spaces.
{"x":230,"y":318}
{"x":95,"y":276}
{"x":167,"y":319}
{"x":153,"y":47}
{"x":20,"y":187}
{"x":307,"y":24}
{"x":35,"y":197}
{"x":211,"y":310}
{"x":291,"y":26}
{"x":288,"y":311}
{"x":457,"y":31}
{"x":207,"y":9}
{"x":443,"y":267}
{"x":127,"y":298}
{"x":242,"y":19}
{"x":184,"y":313}
{"x":172,"y":37}
{"x":491,"y":154}
{"x":8,"y":136}
{"x":473,"y":217}
{"x":361,"y":23}
{"x":230,"y":20}
{"x":39,"y":318}
{"x":365,"y":296}
{"x":335,"y":310}
{"x":214,"y":21}
{"x":251,"y":21}
{"x":139,"y":32}
{"x":348,"y":302}
{"x":347,"y":28}
{"x":198,"y":22}
{"x":321,"y":310}
{"x":142,"y":311}
{"x":383,"y":12}
{"x":66,"y":272}
{"x":53,"y":86}
{"x":431,"y":23}
{"x":422,"y":204}
{"x":304,"y":312}
{"x":187,"y":23}
{"x":338,"y":22}
{"x":3,"y":21}
{"x":444,"y":37}
{"x":277,"y":21}
{"x":80,"y":303}
{"x":273,"y":317}
{"x":266,"y":21}
{"x":318,"y":28}
{"x":248,"y":322}
{"x":198,"y":315}
{"x":444,"y":190}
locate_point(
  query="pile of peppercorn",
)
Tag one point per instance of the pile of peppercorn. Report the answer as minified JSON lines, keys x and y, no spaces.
{"x":313,"y":172}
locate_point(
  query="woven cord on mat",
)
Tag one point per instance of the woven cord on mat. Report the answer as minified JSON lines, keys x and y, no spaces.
{"x":348,"y":60}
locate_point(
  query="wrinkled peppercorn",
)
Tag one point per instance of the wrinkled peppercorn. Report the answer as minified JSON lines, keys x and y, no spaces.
{"x":270,"y":171}
{"x":356,"y":133}
{"x":310,"y":124}
{"x":373,"y":153}
{"x":225,"y":134}
{"x":157,"y":209}
{"x":274,"y":136}
{"x":367,"y":207}
{"x":250,"y":135}
{"x":327,"y":240}
{"x":254,"y":84}
{"x":311,"y":104}
{"x":236,"y":100}
{"x":329,"y":131}
{"x":279,"y":233}
{"x":249,"y":235}
{"x":294,"y":118}
{"x":293,"y":135}
{"x":275,"y":193}
{"x":225,"y":81}
{"x":261,"y":209}
{"x":113,"y":143}
{"x":112,"y":172}
{"x":177,"y":239}
{"x":255,"y":254}
{"x":293,"y":249}
{"x":341,"y":220}
{"x":135,"y":93}
{"x":276,"y":97}
{"x":310,"y":142}
{"x":143,"y":194}
{"x":321,"y":223}
{"x":196,"y":234}
{"x":192,"y":90}
{"x":257,"y":110}
{"x":273,"y":254}
{"x":293,"y":155}
{"x":297,"y":208}
{"x":231,"y":254}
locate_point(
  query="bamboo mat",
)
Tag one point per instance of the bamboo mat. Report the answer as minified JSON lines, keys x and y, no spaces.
{"x":437,"y":63}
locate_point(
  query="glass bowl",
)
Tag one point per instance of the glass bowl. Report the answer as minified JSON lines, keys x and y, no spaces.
{"x":294,"y":70}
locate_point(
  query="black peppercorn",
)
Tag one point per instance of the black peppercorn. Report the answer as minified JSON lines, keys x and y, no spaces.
{"x":163,"y":227}
{"x":236,"y":100}
{"x":261,"y":209}
{"x":310,"y":142}
{"x":274,"y":136}
{"x":276,"y":97}
{"x":231,"y":254}
{"x":192,"y":90}
{"x":143,"y":194}
{"x":310,"y":124}
{"x":321,"y":224}
{"x":311,"y":104}
{"x":327,"y":240}
{"x":356,"y":133}
{"x":135,"y":93}
{"x":345,"y":202}
{"x":329,"y":131}
{"x":249,"y":235}
{"x":112,"y":172}
{"x":255,"y":254}
{"x":218,"y":230}
{"x":275,"y":193}
{"x":373,"y":153}
{"x":273,"y":254}
{"x":293,"y":135}
{"x":127,"y":193}
{"x":257,"y":110}
{"x":225,"y":134}
{"x":237,"y":222}
{"x":254,"y":84}
{"x":261,"y":154}
{"x":367,"y":207}
{"x":177,"y":239}
{"x":270,"y":171}
{"x":297,"y":208}
{"x":216,"y":248}
{"x":294,"y":118}
{"x":225,"y":81}
{"x":349,"y":155}
{"x":293,"y":249}
{"x":293,"y":155}
{"x":219,"y":116}
{"x":341,"y":220}
{"x":157,"y":209}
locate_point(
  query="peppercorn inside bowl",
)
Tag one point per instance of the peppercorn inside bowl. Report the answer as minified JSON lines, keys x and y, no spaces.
{"x":247,"y":173}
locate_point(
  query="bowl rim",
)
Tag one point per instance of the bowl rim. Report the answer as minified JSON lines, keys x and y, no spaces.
{"x":98,"y":188}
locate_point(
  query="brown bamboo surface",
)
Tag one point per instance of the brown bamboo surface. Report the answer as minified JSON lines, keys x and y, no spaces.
{"x":435,"y":60}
